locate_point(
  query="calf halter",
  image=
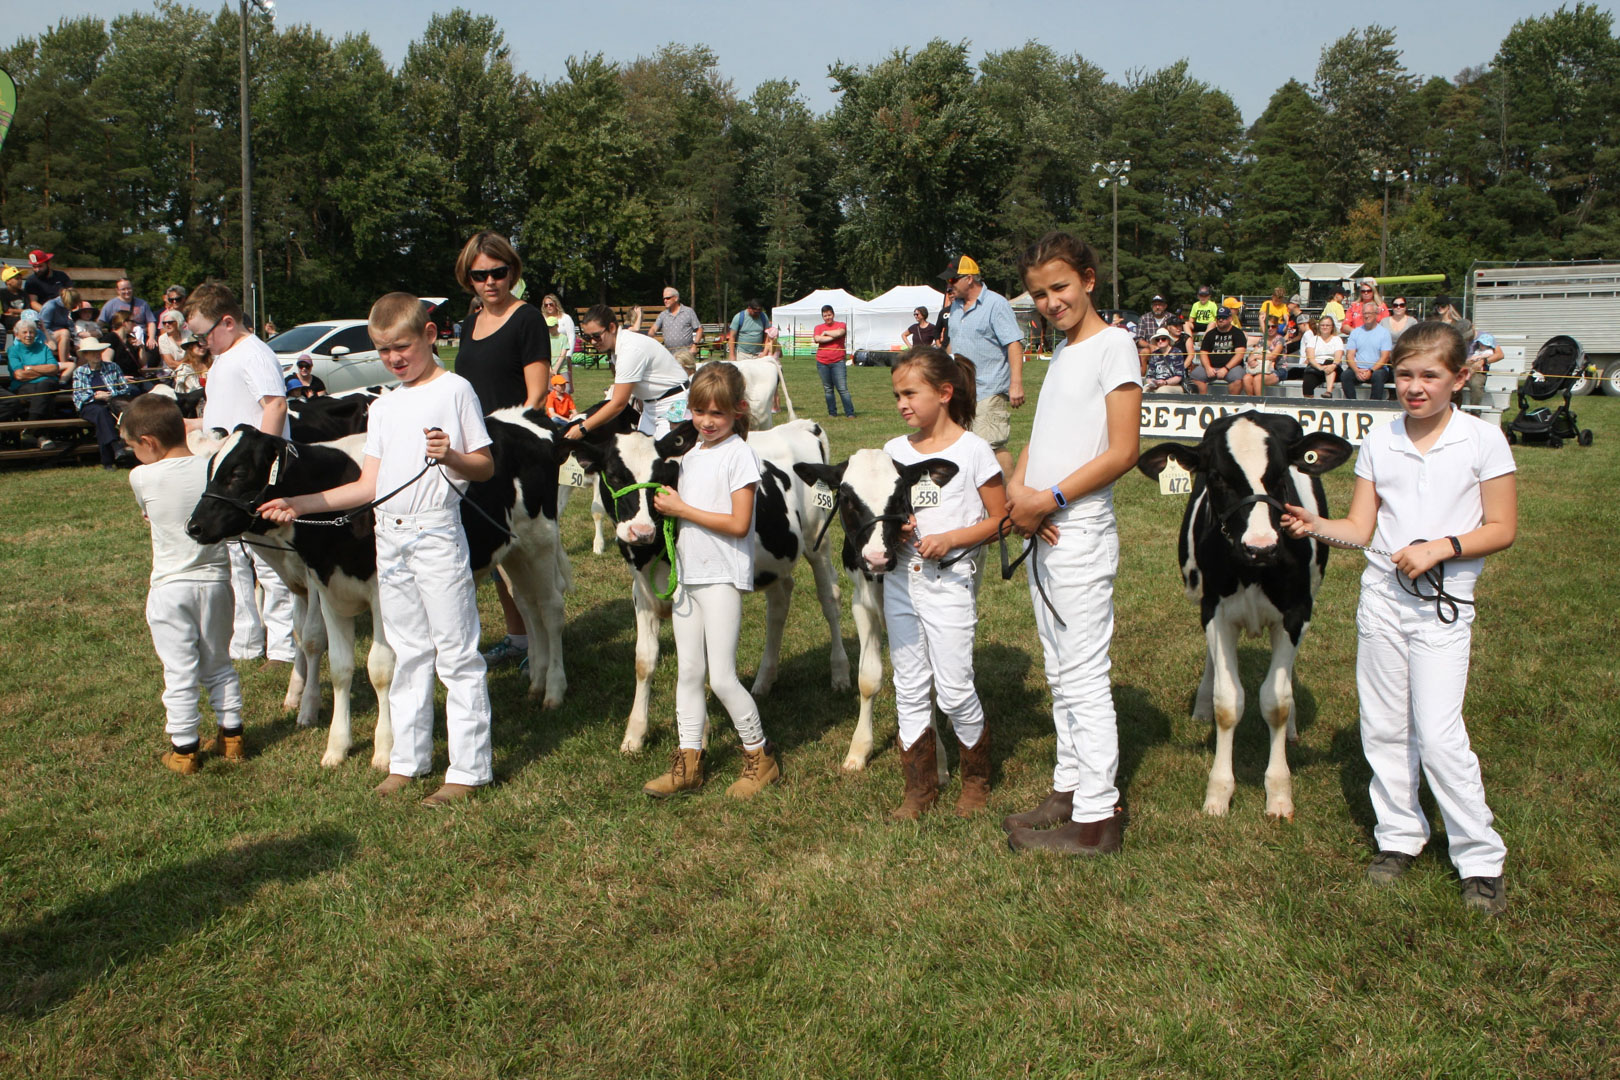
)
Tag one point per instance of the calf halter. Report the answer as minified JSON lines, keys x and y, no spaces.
{"x":1445,"y":604}
{"x":863,"y":523}
{"x":669,"y":533}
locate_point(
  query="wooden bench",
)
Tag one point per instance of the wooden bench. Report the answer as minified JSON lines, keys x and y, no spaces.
{"x":97,"y":293}
{"x":79,"y":438}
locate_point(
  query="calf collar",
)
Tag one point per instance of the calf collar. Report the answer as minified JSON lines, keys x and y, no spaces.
{"x":1243,"y":504}
{"x":669,"y":532}
{"x":250,"y":507}
{"x":863,"y":522}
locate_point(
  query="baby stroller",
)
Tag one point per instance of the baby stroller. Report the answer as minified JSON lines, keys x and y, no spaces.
{"x":1557,"y":364}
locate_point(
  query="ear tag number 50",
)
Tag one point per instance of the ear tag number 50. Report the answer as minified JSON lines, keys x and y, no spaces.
{"x":924,"y":494}
{"x":572,"y":475}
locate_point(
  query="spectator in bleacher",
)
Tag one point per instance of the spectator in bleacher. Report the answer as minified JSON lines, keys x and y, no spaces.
{"x":1220,"y":354}
{"x":1272,"y":312}
{"x":681,"y":330}
{"x":34,"y":374}
{"x":101,"y":394}
{"x":563,"y":331}
{"x":1366,"y":293}
{"x":1482,"y":353}
{"x":1399,"y":322}
{"x":44,"y":283}
{"x":1446,"y":313}
{"x":1161,"y":367}
{"x":1283,"y":349}
{"x":748,"y":332}
{"x":1149,"y":324}
{"x":124,"y":352}
{"x":1366,"y":355}
{"x":1202,"y":314}
{"x":1334,"y":308}
{"x":171,"y":341}
{"x":56,"y":329}
{"x":303,"y":382}
{"x":1323,"y":349}
{"x":921,"y":332}
{"x":13,"y":277}
{"x":140,"y":312}
{"x":173,"y":297}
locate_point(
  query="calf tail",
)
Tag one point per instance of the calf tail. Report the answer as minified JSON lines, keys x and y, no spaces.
{"x":787,"y":398}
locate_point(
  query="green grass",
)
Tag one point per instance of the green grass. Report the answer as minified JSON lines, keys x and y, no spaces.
{"x":276,"y":920}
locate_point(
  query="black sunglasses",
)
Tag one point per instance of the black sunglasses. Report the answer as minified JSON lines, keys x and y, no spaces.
{"x":592,"y":337}
{"x":497,"y":273}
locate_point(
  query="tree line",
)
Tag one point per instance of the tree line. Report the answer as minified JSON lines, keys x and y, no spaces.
{"x":615,"y":178}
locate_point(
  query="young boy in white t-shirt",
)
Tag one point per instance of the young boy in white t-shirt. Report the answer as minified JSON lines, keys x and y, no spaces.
{"x":424,"y":573}
{"x":189,"y":606}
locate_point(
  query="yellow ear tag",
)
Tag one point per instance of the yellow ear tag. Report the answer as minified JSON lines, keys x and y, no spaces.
{"x":924,"y":494}
{"x":1174,"y":480}
{"x":1312,"y":457}
{"x":572,"y":475}
{"x":825,"y":500}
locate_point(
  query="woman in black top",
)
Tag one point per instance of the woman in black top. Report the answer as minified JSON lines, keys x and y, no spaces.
{"x":505,"y":345}
{"x":920,"y":332}
{"x":506,"y":355}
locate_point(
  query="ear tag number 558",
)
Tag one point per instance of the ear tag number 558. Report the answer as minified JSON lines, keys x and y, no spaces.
{"x":1174,"y":480}
{"x":924,"y":494}
{"x":824,"y":497}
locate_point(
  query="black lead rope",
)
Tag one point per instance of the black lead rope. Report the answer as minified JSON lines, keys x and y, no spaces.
{"x":1446,"y":606}
{"x":1007,"y":567}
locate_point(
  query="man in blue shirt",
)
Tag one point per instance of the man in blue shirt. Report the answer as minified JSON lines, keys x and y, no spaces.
{"x":1366,"y":356}
{"x":748,"y":332}
{"x":140,"y":312}
{"x":984,"y":329}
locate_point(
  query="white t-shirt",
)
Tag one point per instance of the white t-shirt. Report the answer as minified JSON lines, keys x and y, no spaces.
{"x":395,"y":437}
{"x":709,"y":475}
{"x":241,"y":375}
{"x":1071,"y":415}
{"x":1434,"y":495}
{"x":638,"y":359}
{"x":167,"y":492}
{"x":1324,"y":349}
{"x":960,"y":504}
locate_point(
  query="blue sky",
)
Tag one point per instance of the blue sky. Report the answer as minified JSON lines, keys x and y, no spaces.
{"x":1246,"y":47}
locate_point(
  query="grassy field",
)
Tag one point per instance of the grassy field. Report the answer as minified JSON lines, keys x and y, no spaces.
{"x":276,"y":920}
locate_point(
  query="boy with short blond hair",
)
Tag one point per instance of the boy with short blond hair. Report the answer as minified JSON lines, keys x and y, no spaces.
{"x":189,"y":605}
{"x":424,"y":572}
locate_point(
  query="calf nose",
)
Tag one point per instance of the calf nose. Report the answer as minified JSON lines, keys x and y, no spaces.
{"x":193,"y":530}
{"x":876,"y":559}
{"x":1260,"y":553}
{"x":638,"y":531}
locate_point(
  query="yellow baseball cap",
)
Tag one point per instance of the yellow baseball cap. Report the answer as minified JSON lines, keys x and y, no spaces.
{"x":1232,"y":302}
{"x":961,"y":266}
{"x":11,"y":272}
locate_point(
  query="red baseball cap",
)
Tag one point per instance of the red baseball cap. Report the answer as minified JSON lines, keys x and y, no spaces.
{"x":37,"y":258}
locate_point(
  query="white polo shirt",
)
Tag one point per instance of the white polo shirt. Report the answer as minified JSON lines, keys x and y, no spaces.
{"x":1434,"y":495}
{"x":647,"y":365}
{"x":241,"y":375}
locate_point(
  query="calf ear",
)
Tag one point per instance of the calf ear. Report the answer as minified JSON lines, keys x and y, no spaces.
{"x":681,"y":438}
{"x":939,"y":470}
{"x":814,"y":472}
{"x":1153,"y":460}
{"x":1318,"y":453}
{"x":589,"y":455}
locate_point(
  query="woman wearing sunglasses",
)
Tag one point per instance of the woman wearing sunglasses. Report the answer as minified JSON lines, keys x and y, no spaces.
{"x":1367,"y":292}
{"x":506,"y":355}
{"x":1399,"y":321}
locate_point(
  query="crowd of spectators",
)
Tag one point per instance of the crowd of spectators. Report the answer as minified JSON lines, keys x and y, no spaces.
{"x":61,"y":349}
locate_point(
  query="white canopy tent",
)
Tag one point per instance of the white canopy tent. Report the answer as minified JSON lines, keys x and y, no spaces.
{"x":878,"y":324}
{"x":795,"y":322}
{"x":1316,"y":280}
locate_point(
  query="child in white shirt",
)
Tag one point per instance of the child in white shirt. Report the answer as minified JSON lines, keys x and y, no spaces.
{"x":189,"y":606}
{"x":715,"y":558}
{"x":424,"y":573}
{"x":929,"y":599}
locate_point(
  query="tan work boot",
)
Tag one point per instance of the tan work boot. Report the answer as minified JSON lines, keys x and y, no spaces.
{"x":394,"y":782}
{"x":449,"y":793}
{"x":975,"y":764}
{"x":922,"y":778}
{"x":229,"y":747}
{"x":759,"y":770}
{"x":184,"y":764}
{"x":685,"y":775}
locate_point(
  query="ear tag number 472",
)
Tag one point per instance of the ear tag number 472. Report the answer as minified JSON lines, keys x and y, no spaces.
{"x":924,"y":494}
{"x":1174,"y":480}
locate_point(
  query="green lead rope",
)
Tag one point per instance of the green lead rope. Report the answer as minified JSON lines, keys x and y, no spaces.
{"x":669,"y":535}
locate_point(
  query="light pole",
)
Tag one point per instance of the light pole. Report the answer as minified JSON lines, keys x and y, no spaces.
{"x":269,"y":8}
{"x":1115,"y":174}
{"x":1386,"y":177}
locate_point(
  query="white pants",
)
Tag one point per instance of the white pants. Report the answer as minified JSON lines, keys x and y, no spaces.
{"x":931,"y":617}
{"x":707,"y":620}
{"x":657,"y":417}
{"x":1078,"y":574}
{"x":430,"y":616}
{"x":1411,"y":674}
{"x":252,"y":635}
{"x":190,"y":623}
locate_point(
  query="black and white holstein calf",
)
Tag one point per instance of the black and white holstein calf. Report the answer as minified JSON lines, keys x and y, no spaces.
{"x":1249,"y":576}
{"x":335,"y":566}
{"x":873,"y":497}
{"x":785,"y":521}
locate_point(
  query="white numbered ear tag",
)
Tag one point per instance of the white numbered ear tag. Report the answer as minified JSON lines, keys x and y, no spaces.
{"x":825,"y":500}
{"x":1175,"y":480}
{"x":571,"y":475}
{"x":924,"y":494}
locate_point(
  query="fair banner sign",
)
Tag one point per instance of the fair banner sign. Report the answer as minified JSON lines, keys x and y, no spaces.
{"x":1180,"y":416}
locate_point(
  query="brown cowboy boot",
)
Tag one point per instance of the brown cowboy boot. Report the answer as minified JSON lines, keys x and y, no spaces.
{"x":1054,"y":810}
{"x":1076,"y":838}
{"x":685,"y":776}
{"x":922,"y":778}
{"x":975,"y":765}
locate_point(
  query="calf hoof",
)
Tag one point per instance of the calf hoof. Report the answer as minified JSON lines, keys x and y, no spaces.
{"x":291,"y":702}
{"x":762,"y":684}
{"x":854,"y":762}
{"x":333,"y":758}
{"x":841,"y":683}
{"x":379,"y":760}
{"x":1216,"y":804}
{"x":631,"y":745}
{"x":308,"y":717}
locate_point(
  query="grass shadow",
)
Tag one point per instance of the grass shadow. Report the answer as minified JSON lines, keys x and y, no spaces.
{"x":1142,"y":725}
{"x":1354,"y":775}
{"x":45,"y":962}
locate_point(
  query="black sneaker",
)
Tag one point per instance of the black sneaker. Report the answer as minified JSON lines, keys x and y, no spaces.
{"x":1387,"y":866}
{"x":1486,"y":895}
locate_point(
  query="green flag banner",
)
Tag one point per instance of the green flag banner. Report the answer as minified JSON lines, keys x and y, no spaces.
{"x":8,"y":104}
